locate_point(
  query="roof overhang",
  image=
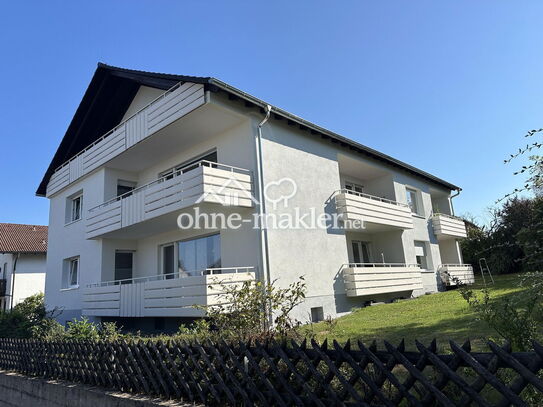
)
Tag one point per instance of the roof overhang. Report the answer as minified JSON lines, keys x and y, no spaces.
{"x":112,"y":89}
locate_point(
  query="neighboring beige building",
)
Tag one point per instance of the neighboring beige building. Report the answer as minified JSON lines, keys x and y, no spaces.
{"x":23,"y":250}
{"x":145,"y":150}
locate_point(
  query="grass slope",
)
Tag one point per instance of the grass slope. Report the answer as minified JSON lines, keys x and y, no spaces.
{"x":443,"y":316}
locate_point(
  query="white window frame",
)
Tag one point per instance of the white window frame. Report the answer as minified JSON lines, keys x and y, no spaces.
{"x":368,"y":247}
{"x":70,"y":208}
{"x":424,"y":245}
{"x":416,"y":202}
{"x":186,"y":163}
{"x":354,"y":187}
{"x":127,"y":184}
{"x":176,"y":251}
{"x":68,"y":270}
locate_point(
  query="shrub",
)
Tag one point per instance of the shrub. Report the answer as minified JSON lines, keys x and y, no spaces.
{"x":254,"y":310}
{"x":49,"y":329}
{"x":24,"y":318}
{"x":515,"y":318}
{"x":82,"y":329}
{"x":199,"y":330}
{"x":109,"y":331}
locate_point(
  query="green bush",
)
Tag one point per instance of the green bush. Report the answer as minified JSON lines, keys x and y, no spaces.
{"x":253,"y":310}
{"x":82,"y":329}
{"x":24,"y":318}
{"x":515,"y":318}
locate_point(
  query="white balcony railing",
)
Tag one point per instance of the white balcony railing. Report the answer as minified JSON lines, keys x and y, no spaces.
{"x":163,"y":295}
{"x":173,"y":104}
{"x":363,"y":279}
{"x":357,"y":206}
{"x":202,"y":182}
{"x":451,"y":274}
{"x":447,"y":226}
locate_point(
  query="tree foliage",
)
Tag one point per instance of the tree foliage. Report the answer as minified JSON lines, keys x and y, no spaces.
{"x":25,"y":317}
{"x":513,"y":235}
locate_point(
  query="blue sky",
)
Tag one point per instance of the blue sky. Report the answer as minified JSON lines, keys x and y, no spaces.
{"x":450,"y":87}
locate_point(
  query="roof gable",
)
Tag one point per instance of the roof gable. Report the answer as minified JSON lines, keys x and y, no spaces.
{"x":104,"y":104}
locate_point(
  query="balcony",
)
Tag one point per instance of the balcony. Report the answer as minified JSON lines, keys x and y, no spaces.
{"x":451,"y":274}
{"x":448,"y":227}
{"x":363,"y":279}
{"x":163,"y":111}
{"x":164,"y":295}
{"x":203,"y":182}
{"x":376,"y":213}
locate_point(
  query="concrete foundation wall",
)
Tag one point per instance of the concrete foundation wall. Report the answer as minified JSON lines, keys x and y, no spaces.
{"x":21,"y":391}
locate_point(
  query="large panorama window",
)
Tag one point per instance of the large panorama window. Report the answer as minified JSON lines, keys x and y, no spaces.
{"x":191,"y":257}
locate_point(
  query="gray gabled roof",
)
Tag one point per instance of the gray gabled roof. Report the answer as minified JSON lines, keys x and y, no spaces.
{"x":112,"y":89}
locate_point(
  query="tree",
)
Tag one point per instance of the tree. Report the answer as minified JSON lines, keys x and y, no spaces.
{"x":499,"y":242}
{"x":534,"y":171}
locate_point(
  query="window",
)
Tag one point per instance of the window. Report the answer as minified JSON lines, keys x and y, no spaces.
{"x":190,"y":257}
{"x":317,"y":314}
{"x":76,"y":208}
{"x":168,"y":260}
{"x":351,"y":186}
{"x":123,"y":187}
{"x":412,"y":200}
{"x":420,"y":253}
{"x":188,"y":165}
{"x":124,"y":266}
{"x":361,"y":251}
{"x":70,"y":278}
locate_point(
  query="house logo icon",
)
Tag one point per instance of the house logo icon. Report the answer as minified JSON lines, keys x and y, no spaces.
{"x":228,"y":193}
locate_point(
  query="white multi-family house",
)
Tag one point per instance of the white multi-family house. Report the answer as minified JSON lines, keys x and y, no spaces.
{"x":149,"y":159}
{"x":23,"y":249}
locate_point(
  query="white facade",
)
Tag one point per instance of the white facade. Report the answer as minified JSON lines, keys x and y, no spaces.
{"x":398,"y":252}
{"x":22,"y":275}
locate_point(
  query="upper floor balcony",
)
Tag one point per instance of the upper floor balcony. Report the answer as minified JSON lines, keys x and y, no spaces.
{"x":174,"y":104}
{"x":366,"y":279}
{"x":448,"y":226}
{"x":146,"y":208}
{"x":163,"y":295}
{"x":376,"y":213}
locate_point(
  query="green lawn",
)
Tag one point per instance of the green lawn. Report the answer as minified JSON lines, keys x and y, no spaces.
{"x":442,"y":315}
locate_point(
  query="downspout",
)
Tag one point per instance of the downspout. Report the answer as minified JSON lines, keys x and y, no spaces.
{"x":261,"y":198}
{"x":13,"y":280}
{"x":453,"y":196}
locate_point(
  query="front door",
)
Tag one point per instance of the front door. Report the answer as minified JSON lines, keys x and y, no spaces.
{"x":361,"y":251}
{"x":124,"y":266}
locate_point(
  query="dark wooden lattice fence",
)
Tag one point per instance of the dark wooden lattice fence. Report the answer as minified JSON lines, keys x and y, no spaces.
{"x":289,"y":374}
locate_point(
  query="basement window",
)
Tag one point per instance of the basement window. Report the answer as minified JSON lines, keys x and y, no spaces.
{"x":317,"y":314}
